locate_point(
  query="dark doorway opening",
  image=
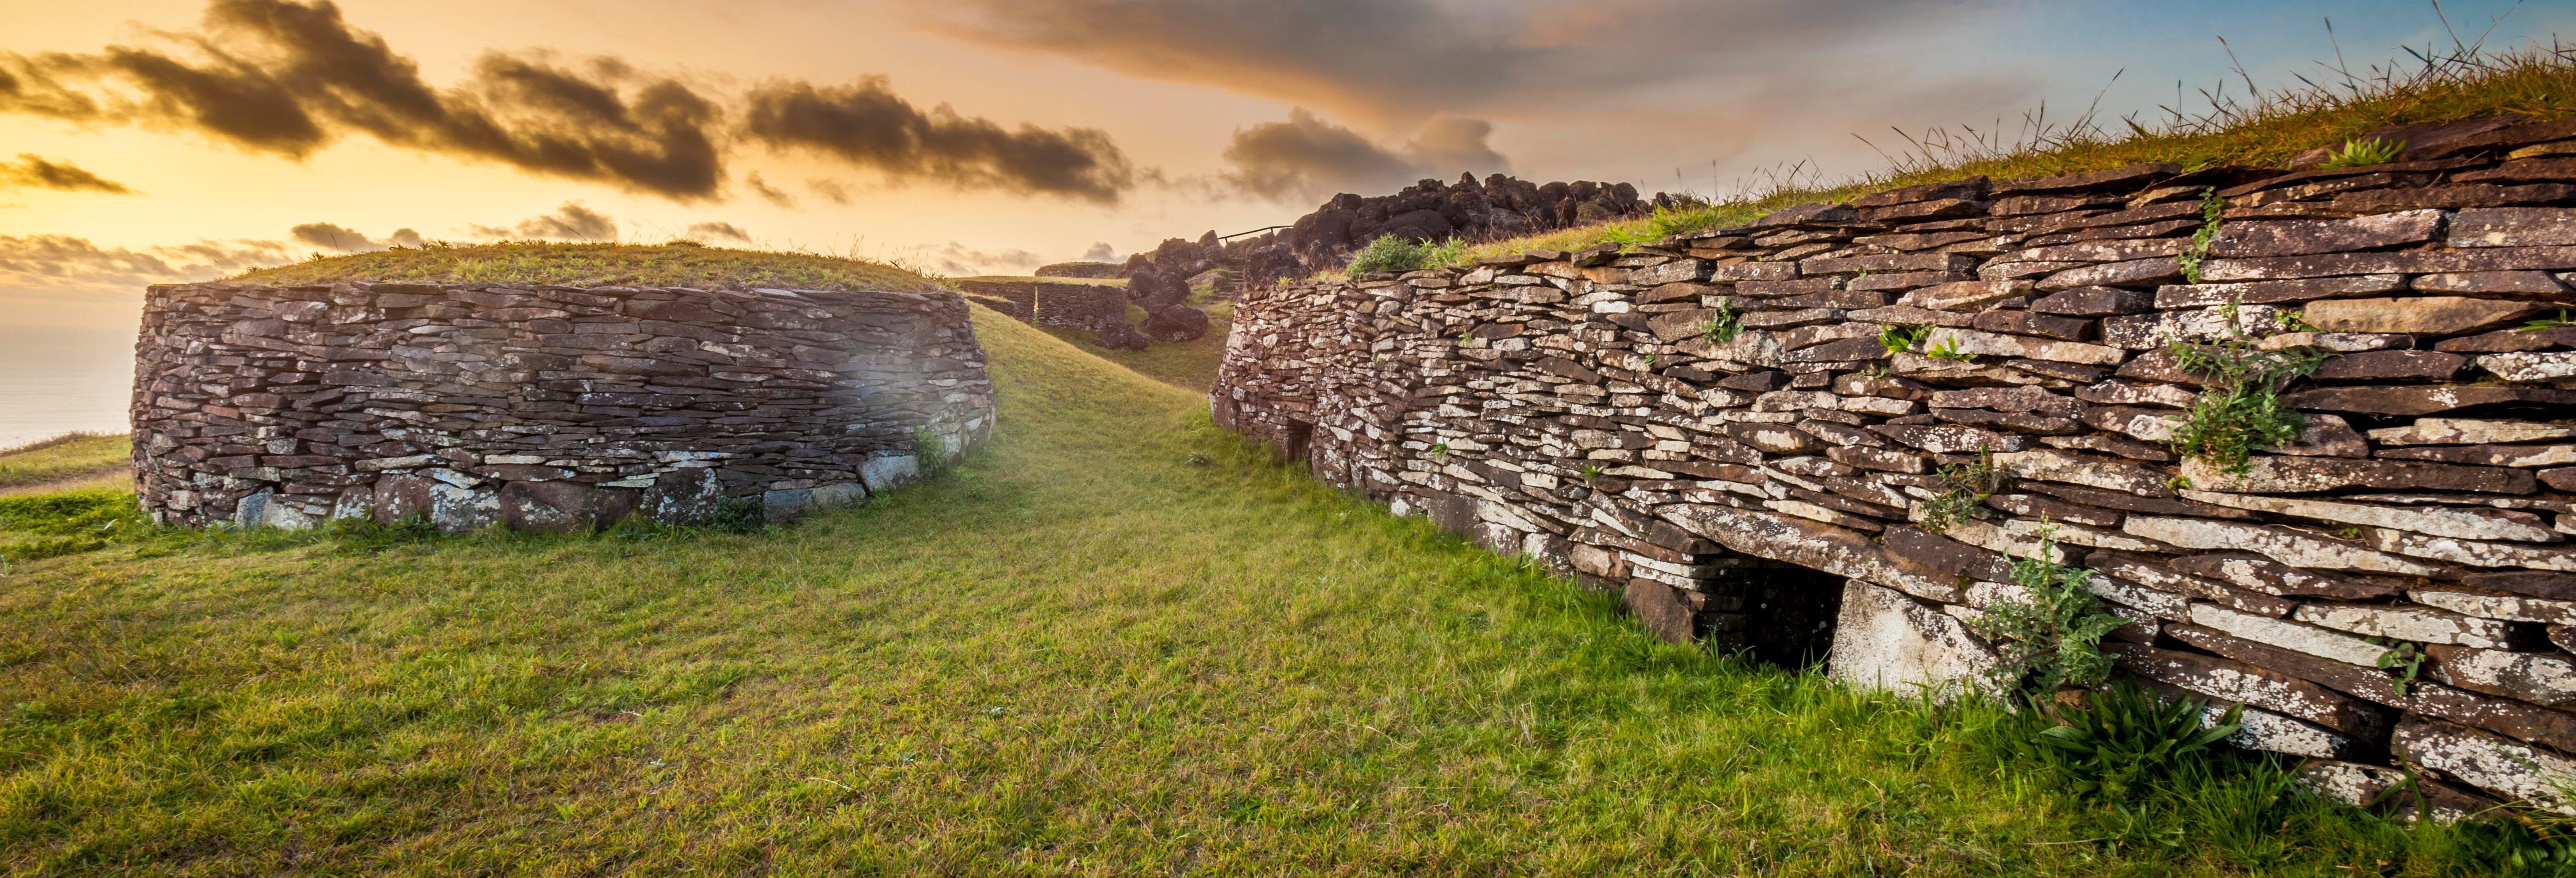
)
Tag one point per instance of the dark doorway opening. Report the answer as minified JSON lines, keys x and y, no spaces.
{"x":1296,"y":439}
{"x":1785,"y":613}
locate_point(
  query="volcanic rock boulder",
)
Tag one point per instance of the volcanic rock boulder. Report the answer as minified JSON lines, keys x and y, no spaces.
{"x":1177,"y":323}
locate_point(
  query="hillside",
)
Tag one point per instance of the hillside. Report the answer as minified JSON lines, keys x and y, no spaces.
{"x":1115,"y":641}
{"x":671,"y":265}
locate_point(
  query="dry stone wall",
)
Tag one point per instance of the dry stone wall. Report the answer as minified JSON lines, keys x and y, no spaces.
{"x":543,"y":408}
{"x":1596,"y":410}
{"x":1070,"y":304}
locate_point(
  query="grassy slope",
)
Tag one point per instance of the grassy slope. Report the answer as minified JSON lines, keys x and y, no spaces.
{"x":1190,"y":365}
{"x":682,"y":265}
{"x":74,"y":461}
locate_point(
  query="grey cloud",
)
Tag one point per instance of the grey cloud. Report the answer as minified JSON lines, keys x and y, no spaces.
{"x":571,"y":222}
{"x":956,"y":259}
{"x":61,"y":261}
{"x":1393,"y":63}
{"x":867,"y":125}
{"x":343,"y":239}
{"x":36,"y":172}
{"x":1307,"y":157}
{"x":723,"y":230}
{"x":1100,"y":252}
{"x":768,"y":193}
{"x":833,"y":191}
{"x":289,"y":78}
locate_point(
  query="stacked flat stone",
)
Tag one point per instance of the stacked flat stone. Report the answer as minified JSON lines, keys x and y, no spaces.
{"x":1091,"y":307}
{"x":1576,"y":408}
{"x":544,"y":408}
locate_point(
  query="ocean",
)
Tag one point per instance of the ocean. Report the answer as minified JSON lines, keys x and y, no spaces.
{"x":55,"y":380}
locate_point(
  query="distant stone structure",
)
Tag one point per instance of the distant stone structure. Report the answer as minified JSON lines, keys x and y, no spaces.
{"x":1086,"y":305}
{"x":542,"y":408}
{"x":1770,"y":436}
{"x":1097,"y":270}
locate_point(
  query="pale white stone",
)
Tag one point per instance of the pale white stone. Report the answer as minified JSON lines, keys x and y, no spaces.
{"x":2289,"y":635}
{"x":2279,"y":544}
{"x":2468,"y":431}
{"x":2539,"y":678}
{"x":2465,"y":523}
{"x":1886,"y":641}
{"x":2479,"y":554}
{"x":1970,"y":341}
{"x":885,"y":472}
{"x":2530,"y":365}
{"x":2264,"y":730}
{"x":2491,"y":762}
{"x":2160,"y":604}
{"x":2420,"y":624}
{"x":2514,"y":607}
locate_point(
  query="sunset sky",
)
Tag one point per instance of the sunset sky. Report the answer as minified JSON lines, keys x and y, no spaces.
{"x":148,"y":141}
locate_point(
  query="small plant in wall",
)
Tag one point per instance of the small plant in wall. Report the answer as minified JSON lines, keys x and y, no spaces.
{"x":2403,"y":661}
{"x":1440,"y":450}
{"x":1963,"y":487}
{"x":1948,"y":349}
{"x":2241,"y":410}
{"x":930,"y":451}
{"x":1724,"y":327}
{"x":2363,"y":153}
{"x":2213,"y":213}
{"x":2049,"y":637}
{"x":1899,"y":338}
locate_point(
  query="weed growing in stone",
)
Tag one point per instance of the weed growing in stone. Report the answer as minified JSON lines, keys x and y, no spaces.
{"x":1948,"y":349}
{"x":2403,"y":661}
{"x":1899,"y":338}
{"x":2213,"y":214}
{"x":1724,"y":327}
{"x":2368,"y":151}
{"x":2050,"y":635}
{"x":2547,"y":322}
{"x":1963,"y":488}
{"x":2241,"y":409}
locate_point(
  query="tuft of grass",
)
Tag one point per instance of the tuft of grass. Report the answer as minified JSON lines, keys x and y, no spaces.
{"x":2264,"y":129}
{"x":670,"y":265}
{"x":1390,"y":253}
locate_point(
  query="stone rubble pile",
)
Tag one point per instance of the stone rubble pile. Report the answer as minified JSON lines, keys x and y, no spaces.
{"x":1688,"y":421}
{"x":542,"y":408}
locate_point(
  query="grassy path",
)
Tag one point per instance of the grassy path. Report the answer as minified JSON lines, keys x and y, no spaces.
{"x":1081,"y":654}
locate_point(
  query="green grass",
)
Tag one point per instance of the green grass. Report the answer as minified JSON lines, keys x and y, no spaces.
{"x":1190,"y":365}
{"x":2260,"y":130}
{"x":674,"y":265}
{"x":1080,"y":653}
{"x":72,"y":460}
